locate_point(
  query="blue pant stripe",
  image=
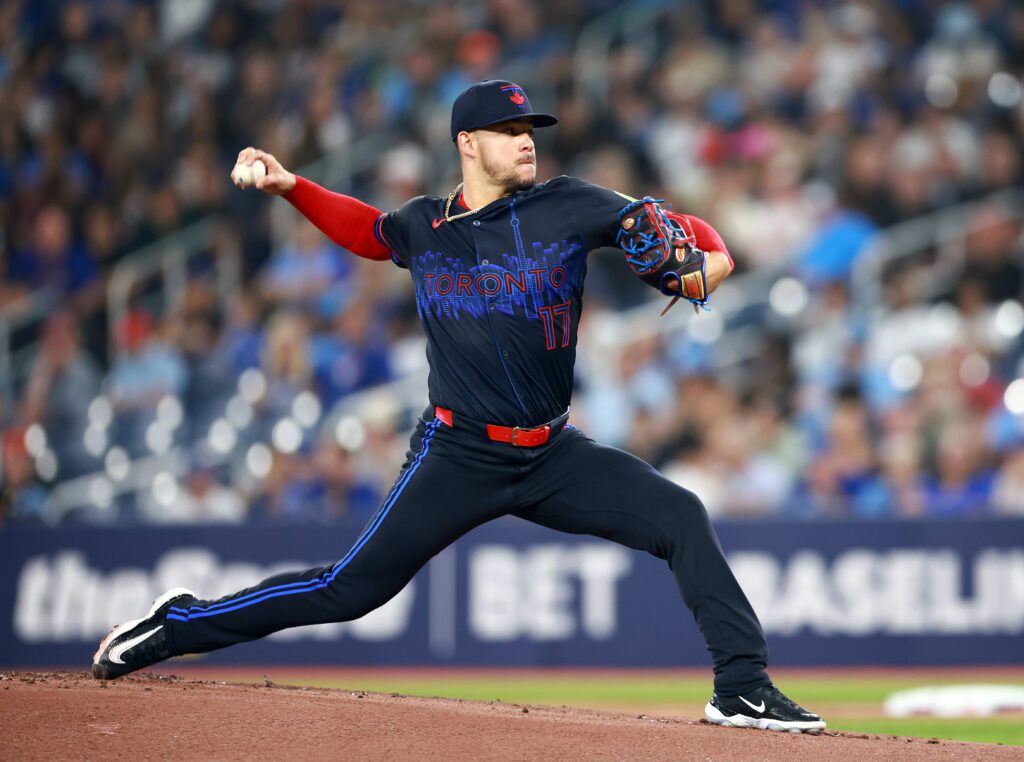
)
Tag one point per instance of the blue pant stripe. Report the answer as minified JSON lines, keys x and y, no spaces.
{"x":371,"y":527}
{"x":389,"y":503}
{"x":318,"y":585}
{"x":307,"y":586}
{"x":398,"y":486}
{"x":251,"y":595}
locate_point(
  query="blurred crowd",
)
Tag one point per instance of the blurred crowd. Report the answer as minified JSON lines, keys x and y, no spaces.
{"x":801,"y":130}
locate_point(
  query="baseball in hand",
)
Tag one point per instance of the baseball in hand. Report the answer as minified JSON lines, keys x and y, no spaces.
{"x":244,"y":175}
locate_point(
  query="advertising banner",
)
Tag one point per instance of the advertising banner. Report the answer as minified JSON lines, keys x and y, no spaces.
{"x":511,"y":593}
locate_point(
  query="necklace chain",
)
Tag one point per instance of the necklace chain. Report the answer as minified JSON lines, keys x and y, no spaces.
{"x":448,"y":205}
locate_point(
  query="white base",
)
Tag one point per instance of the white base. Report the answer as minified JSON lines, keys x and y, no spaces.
{"x":956,"y":701}
{"x":761,"y":723}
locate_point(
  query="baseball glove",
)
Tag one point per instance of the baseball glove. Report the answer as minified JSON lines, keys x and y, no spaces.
{"x":662,"y":253}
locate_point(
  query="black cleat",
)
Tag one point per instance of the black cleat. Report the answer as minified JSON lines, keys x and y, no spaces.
{"x":767,"y":708}
{"x":138,"y":643}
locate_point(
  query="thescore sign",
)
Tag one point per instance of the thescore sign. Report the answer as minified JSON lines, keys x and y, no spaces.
{"x":512,"y":593}
{"x":60,"y":598}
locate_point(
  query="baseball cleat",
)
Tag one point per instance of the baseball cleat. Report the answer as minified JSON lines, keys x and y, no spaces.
{"x":138,"y":643}
{"x":766,"y":708}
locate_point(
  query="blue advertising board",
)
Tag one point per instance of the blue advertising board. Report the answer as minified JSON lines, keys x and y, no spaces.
{"x":511,"y":593}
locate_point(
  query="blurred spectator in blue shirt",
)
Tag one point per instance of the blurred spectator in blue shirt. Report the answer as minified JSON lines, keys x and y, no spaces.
{"x":304,"y":270}
{"x":242,"y":337}
{"x":64,"y":380}
{"x":839,"y":241}
{"x":318,"y":484}
{"x":345,"y":490}
{"x":963,"y":481}
{"x":54,"y":261}
{"x":846,"y":466}
{"x":898,"y":491}
{"x":145,"y":371}
{"x":210,"y":380}
{"x":293,"y":492}
{"x":352,"y":357}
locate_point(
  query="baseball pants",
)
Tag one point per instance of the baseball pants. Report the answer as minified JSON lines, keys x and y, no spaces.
{"x":455,"y":479}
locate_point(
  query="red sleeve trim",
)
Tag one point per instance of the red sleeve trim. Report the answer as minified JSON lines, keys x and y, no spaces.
{"x":345,"y":220}
{"x":378,"y":230}
{"x":707,"y":237}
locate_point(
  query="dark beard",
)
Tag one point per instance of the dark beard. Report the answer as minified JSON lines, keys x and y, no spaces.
{"x":515,"y":185}
{"x":510,"y":182}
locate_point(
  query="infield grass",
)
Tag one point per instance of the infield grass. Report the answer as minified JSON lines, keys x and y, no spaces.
{"x":848,"y":701}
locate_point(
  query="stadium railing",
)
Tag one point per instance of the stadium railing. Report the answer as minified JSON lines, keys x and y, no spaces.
{"x":944,"y":232}
{"x":162,"y":267}
{"x":634,"y":24}
{"x":24,"y":317}
{"x":735,"y":327}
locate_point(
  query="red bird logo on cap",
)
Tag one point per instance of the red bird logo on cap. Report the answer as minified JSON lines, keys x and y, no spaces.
{"x":517,"y":98}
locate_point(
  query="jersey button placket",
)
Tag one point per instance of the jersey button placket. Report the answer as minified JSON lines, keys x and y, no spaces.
{"x":490,"y":299}
{"x":503,"y":354}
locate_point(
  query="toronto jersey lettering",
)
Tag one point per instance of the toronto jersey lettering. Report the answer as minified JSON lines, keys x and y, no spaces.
{"x":500,"y":292}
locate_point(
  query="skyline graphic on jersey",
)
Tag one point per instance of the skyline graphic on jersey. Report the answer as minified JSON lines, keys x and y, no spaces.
{"x":549,"y":277}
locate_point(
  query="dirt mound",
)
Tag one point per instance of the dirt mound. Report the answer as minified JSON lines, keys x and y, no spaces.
{"x":70,"y":715}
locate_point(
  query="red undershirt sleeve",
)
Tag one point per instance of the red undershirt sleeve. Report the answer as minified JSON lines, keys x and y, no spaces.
{"x":345,"y":220}
{"x":707,"y":237}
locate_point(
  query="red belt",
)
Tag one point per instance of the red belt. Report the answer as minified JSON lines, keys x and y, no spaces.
{"x":513,"y":435}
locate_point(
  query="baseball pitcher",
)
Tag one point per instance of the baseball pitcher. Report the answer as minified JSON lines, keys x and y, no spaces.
{"x":497,"y":266}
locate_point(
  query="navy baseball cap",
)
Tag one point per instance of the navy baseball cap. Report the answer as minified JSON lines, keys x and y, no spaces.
{"x":491,"y":102}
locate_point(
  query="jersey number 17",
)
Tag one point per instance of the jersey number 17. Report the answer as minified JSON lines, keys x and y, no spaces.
{"x":548,"y":315}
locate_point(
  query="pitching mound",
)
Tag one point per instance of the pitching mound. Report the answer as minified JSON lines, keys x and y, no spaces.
{"x":70,"y":715}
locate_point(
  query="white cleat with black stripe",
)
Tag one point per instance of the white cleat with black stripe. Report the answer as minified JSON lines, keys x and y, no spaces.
{"x":766,"y":708}
{"x":139,"y":643}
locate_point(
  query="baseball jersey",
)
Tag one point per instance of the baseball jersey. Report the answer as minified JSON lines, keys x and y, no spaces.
{"x":499,"y":293}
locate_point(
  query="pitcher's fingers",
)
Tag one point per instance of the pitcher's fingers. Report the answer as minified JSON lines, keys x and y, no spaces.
{"x":268,"y":159}
{"x":244,"y":155}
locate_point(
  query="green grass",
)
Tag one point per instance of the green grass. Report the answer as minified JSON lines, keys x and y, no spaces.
{"x":512,"y":690}
{"x":847,"y":701}
{"x":982,"y":730}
